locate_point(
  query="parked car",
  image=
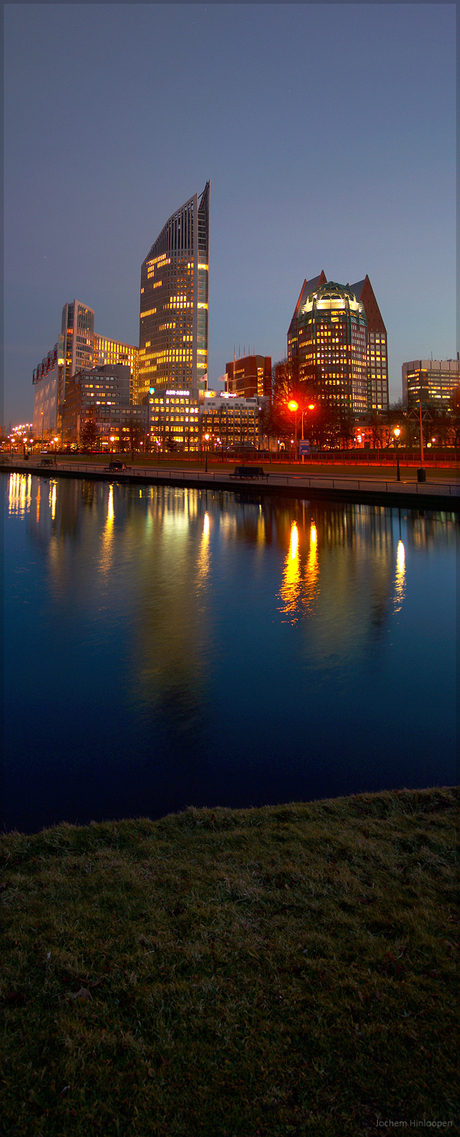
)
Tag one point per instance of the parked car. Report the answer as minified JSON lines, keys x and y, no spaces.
{"x":116,"y":466}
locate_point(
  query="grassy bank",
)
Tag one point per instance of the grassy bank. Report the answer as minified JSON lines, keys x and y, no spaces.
{"x":287,"y":970}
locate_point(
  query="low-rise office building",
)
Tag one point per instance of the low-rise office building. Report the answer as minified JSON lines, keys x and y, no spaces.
{"x":249,"y":376}
{"x":228,"y":422}
{"x":173,"y":420}
{"x":99,"y":393}
{"x":431,"y":381}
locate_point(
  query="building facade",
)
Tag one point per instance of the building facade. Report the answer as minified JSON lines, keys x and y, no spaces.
{"x":77,"y":341}
{"x":249,"y":376}
{"x":377,"y":348}
{"x":78,"y":348}
{"x":173,"y":326}
{"x":46,"y":381}
{"x":99,"y":393}
{"x":173,"y":420}
{"x":228,"y":422}
{"x":113,"y":352}
{"x":432,"y":381}
{"x":338,"y":375}
{"x":332,"y":348}
{"x":308,"y":287}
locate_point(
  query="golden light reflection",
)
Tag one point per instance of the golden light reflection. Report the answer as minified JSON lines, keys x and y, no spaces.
{"x":400,"y":578}
{"x":52,"y":499}
{"x":203,"y":559}
{"x":19,"y":493}
{"x":290,"y":591}
{"x":38,"y":502}
{"x":110,"y":509}
{"x":108,"y":535}
{"x":311,"y":571}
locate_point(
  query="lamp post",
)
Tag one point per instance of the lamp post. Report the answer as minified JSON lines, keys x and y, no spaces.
{"x":397,"y":432}
{"x":310,"y":407}
{"x":421,"y":433}
{"x":294,"y":406}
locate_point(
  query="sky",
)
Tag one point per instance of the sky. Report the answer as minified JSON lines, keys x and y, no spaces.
{"x":327,"y":132}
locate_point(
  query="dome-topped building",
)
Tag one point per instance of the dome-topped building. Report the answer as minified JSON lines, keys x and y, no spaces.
{"x":337,"y":341}
{"x":332,"y":349}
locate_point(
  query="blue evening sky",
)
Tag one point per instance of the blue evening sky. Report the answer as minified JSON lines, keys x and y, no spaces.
{"x":328,"y":133}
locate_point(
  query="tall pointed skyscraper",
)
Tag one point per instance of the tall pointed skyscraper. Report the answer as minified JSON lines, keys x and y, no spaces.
{"x":173,"y":335}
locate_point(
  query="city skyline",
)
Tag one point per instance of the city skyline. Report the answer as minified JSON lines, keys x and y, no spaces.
{"x":339,"y":150}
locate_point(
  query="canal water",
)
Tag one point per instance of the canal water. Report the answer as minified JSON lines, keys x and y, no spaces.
{"x":172,"y":647}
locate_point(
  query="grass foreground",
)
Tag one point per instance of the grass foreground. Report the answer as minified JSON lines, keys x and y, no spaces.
{"x":233,"y":973}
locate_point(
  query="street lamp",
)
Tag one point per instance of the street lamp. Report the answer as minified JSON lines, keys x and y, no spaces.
{"x":294,"y":406}
{"x":309,"y":407}
{"x":397,"y":432}
{"x":112,"y":439}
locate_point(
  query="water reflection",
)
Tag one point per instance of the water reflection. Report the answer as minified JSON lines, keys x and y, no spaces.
{"x":291,"y":587}
{"x":107,"y":541}
{"x":199,"y":641}
{"x":20,"y":493}
{"x":400,"y":581}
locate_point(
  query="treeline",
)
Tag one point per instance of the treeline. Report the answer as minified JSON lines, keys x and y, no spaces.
{"x":328,"y":426}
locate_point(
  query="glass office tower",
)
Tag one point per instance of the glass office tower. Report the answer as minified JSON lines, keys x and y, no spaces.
{"x":377,"y":347}
{"x":173,"y":335}
{"x":332,"y":347}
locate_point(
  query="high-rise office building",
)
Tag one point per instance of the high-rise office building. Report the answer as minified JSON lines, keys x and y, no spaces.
{"x":308,"y":287}
{"x":332,"y":347}
{"x":99,"y":392}
{"x":377,"y":347}
{"x":354,"y":308}
{"x":77,"y":330}
{"x":173,"y":333}
{"x":251,"y":375}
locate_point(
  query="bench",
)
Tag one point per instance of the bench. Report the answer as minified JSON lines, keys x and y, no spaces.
{"x":249,"y":472}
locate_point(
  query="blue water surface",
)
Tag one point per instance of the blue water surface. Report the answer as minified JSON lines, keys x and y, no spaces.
{"x":171,"y":647}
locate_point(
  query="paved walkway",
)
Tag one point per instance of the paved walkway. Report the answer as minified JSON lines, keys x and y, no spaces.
{"x":362,"y":486}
